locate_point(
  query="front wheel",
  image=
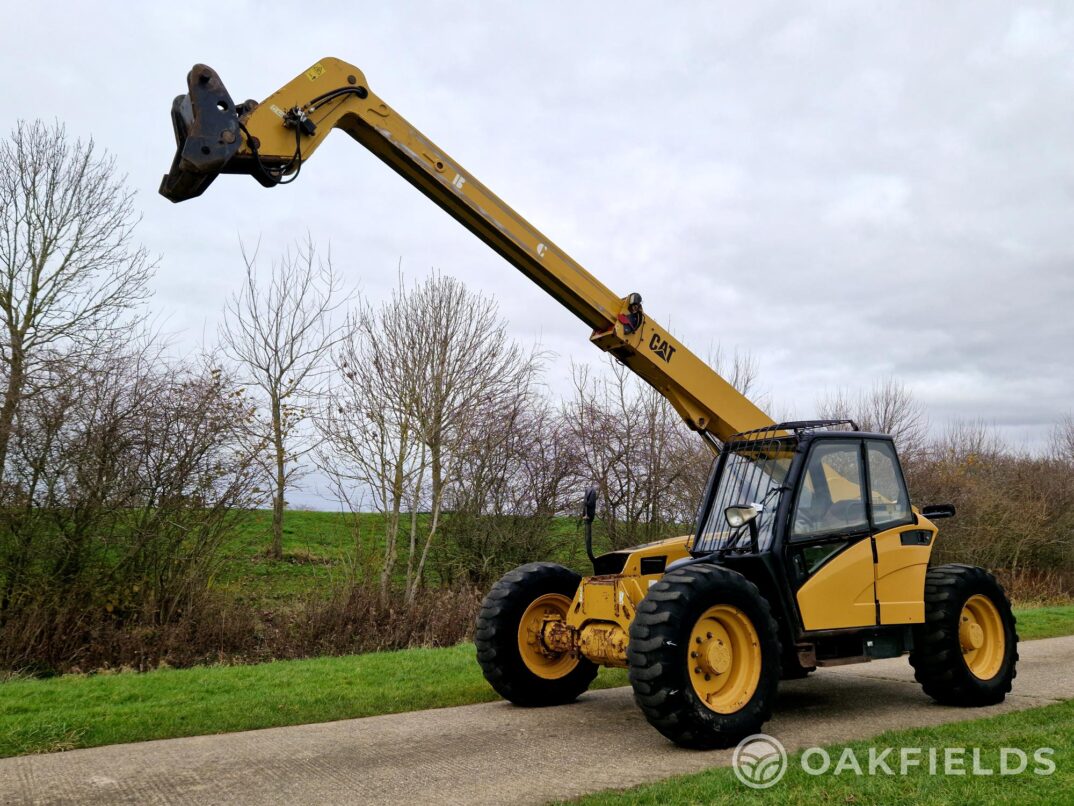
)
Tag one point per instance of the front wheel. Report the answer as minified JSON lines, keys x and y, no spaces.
{"x":509,"y":637}
{"x":704,"y":657}
{"x":966,"y":652}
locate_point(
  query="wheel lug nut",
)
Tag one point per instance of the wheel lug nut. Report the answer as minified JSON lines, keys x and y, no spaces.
{"x":709,"y":635}
{"x":693,"y":654}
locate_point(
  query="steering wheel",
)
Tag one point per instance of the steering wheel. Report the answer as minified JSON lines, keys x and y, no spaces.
{"x":847,"y":511}
{"x":811,"y":518}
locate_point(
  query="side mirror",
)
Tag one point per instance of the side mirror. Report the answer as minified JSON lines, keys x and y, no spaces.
{"x":741,"y":515}
{"x":934,"y":511}
{"x":590,"y":510}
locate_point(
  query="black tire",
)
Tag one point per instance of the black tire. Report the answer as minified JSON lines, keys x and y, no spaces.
{"x":937,"y":657}
{"x":659,"y":656}
{"x":497,"y":640}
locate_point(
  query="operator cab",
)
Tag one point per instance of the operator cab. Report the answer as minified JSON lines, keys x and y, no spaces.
{"x":816,"y":480}
{"x":798,"y":508}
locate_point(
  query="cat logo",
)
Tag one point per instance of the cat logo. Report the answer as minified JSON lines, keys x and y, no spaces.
{"x":662,"y":347}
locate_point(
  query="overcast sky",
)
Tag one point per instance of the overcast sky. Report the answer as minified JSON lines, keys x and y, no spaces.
{"x":848,"y":191}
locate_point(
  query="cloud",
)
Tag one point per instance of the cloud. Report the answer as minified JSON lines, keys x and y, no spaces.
{"x":846,"y":191}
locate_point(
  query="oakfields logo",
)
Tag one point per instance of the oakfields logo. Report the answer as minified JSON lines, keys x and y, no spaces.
{"x":760,"y":761}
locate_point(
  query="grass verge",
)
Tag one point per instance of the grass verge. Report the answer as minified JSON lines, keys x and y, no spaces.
{"x":62,"y":713}
{"x":1044,"y":622}
{"x":1051,"y":726}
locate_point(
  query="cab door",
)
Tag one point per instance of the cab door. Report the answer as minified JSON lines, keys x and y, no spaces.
{"x":829,"y":541}
{"x":902,"y":546}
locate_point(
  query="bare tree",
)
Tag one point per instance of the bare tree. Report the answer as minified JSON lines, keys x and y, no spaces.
{"x":126,"y":476}
{"x":888,"y":407}
{"x":967,"y":443}
{"x":280,"y":330}
{"x":649,"y":468}
{"x":418,"y":376}
{"x":742,"y":371}
{"x":1015,"y":509}
{"x":1063,"y":440}
{"x":369,"y":447}
{"x":635,"y":449}
{"x":70,"y":271}
{"x":517,"y":473}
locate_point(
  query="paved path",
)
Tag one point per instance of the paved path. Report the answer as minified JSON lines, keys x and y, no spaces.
{"x":492,"y":753}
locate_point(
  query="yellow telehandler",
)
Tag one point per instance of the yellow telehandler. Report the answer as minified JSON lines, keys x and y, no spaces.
{"x":807,"y":551}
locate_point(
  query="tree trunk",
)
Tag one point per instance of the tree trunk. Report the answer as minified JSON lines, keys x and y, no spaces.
{"x":438,"y":493}
{"x":12,"y":394}
{"x":392,"y":525}
{"x":414,"y":503}
{"x":412,"y":593}
{"x":276,"y":549}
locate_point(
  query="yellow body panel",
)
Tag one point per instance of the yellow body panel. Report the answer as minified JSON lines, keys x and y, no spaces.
{"x":673,"y":548}
{"x":845,"y":591}
{"x":900,"y":576}
{"x":842,"y":592}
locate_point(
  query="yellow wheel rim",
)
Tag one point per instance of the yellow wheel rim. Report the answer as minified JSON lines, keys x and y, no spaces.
{"x":981,"y":636}
{"x":538,"y":658}
{"x":724,"y":658}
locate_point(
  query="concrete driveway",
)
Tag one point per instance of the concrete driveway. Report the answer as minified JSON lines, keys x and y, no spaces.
{"x":493,"y":753}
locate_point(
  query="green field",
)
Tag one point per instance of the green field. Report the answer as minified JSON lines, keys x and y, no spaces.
{"x":1051,"y":726}
{"x":319,"y":552}
{"x":88,"y":710}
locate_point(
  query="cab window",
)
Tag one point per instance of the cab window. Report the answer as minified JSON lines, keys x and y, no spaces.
{"x":891,"y":504}
{"x":831,"y":497}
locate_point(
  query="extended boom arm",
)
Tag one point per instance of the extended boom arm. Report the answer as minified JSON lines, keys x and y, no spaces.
{"x":271,"y":141}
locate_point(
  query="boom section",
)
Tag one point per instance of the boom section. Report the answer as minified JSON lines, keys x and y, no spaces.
{"x":272,"y":140}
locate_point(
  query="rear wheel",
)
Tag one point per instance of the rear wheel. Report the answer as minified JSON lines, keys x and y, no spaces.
{"x":704,"y":657}
{"x":966,"y":652}
{"x":509,"y":638}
